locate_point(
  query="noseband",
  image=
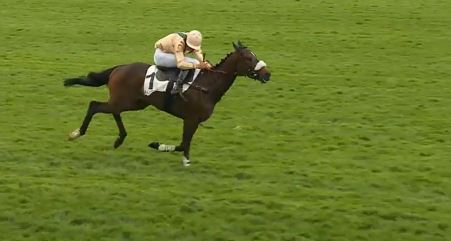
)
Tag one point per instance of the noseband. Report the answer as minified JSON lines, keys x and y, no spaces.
{"x":253,"y":73}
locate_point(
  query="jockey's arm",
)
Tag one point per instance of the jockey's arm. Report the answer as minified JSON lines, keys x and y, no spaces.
{"x":181,"y":63}
{"x":180,"y":59}
{"x":198,"y":55}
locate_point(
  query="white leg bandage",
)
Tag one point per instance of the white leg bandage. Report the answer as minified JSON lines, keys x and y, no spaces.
{"x":166,"y":148}
{"x":186,"y":162}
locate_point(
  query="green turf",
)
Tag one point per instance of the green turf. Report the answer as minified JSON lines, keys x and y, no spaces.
{"x":350,"y":140}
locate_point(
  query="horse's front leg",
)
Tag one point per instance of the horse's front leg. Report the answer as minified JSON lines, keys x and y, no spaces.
{"x":189,"y":128}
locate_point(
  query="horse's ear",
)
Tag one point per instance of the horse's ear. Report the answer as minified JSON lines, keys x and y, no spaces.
{"x":241,"y":45}
{"x":236,"y":47}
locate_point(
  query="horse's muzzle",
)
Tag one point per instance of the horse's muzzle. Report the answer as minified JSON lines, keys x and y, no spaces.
{"x":266,"y":77}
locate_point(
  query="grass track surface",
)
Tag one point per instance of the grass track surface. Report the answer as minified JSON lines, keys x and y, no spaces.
{"x":350,"y":140}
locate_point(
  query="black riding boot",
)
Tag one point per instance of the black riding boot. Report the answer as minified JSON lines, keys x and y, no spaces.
{"x":179,"y":83}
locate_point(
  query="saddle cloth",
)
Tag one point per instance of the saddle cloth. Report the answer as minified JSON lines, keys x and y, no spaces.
{"x":153,"y":81}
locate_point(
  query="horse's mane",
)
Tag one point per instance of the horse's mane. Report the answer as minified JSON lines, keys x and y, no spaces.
{"x":223,"y":59}
{"x":239,"y":46}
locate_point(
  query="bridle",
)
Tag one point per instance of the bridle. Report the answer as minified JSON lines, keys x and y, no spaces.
{"x":253,"y":73}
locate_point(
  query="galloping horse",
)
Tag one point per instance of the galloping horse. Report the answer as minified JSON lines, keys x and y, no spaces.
{"x":125,"y":83}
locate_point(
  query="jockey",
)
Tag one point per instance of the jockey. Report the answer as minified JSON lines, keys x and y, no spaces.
{"x":170,"y":52}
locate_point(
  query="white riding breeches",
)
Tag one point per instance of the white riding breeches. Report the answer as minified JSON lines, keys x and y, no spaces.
{"x":163,"y":59}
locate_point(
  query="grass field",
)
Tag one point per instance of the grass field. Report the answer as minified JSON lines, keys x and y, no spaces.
{"x":350,"y":140}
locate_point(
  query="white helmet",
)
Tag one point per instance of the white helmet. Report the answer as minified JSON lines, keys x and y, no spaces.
{"x":194,"y":39}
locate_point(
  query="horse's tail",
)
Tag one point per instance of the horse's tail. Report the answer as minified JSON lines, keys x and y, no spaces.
{"x":92,"y":79}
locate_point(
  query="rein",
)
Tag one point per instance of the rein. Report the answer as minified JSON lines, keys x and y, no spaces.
{"x":216,"y":71}
{"x":213,"y":70}
{"x":198,"y":87}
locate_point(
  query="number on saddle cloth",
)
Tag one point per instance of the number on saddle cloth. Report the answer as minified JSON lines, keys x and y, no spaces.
{"x":162,"y":79}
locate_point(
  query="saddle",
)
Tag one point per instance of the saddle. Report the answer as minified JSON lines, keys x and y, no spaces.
{"x":171,"y":74}
{"x":163,"y":79}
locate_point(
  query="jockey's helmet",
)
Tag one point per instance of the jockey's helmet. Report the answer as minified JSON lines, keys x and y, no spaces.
{"x":194,"y":39}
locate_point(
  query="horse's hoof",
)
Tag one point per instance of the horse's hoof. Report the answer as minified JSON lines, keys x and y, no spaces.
{"x":118,"y":143}
{"x":154,"y":145}
{"x":74,"y":135}
{"x":186,"y":162}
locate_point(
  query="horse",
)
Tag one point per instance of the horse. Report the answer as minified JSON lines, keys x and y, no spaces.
{"x":125,"y":84}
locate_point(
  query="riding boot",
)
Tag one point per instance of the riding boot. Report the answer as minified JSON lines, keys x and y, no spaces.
{"x":178,"y":88}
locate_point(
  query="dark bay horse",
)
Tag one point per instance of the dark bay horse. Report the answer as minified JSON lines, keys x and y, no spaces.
{"x":125,"y":83}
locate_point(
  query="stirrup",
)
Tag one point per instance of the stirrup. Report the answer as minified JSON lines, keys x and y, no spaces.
{"x":182,"y":96}
{"x":178,"y":87}
{"x":179,"y":92}
{"x":176,"y":90}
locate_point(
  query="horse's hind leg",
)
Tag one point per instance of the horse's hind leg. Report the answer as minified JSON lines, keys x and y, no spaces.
{"x":100,"y":107}
{"x":94,"y":107}
{"x":122,"y":131}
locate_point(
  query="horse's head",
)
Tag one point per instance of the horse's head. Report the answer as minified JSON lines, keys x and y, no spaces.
{"x":248,"y":64}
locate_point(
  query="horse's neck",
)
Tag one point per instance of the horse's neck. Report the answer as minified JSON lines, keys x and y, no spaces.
{"x":224,"y":80}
